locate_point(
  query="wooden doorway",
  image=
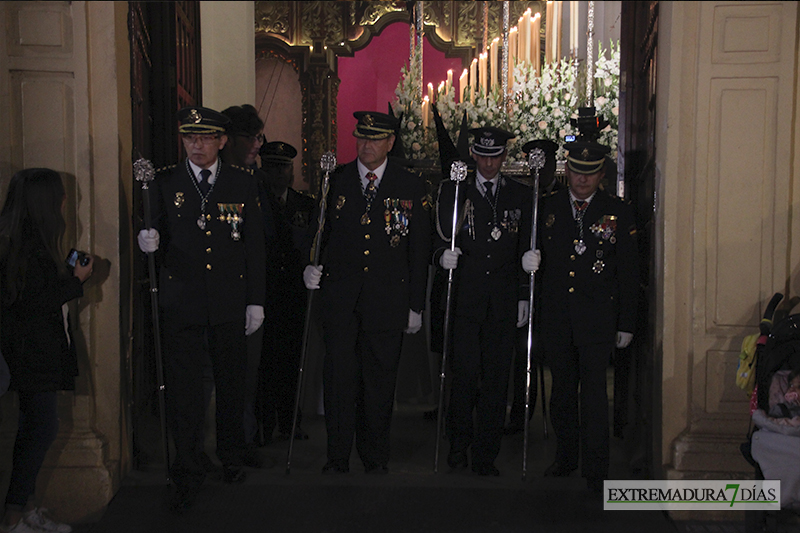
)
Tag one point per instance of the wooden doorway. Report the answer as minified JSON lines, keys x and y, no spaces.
{"x":165,"y":76}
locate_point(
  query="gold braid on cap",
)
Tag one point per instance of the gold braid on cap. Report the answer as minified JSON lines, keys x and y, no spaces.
{"x":588,"y":168}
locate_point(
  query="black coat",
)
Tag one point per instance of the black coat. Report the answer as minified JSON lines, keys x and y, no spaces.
{"x":593,"y":295}
{"x":206,"y":275}
{"x":34,"y":342}
{"x":489,"y":277}
{"x":382,"y":265}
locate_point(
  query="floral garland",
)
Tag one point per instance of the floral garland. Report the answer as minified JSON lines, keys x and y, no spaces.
{"x":540,"y":106}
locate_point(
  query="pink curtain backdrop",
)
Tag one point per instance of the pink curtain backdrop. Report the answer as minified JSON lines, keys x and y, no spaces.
{"x":368,"y":79}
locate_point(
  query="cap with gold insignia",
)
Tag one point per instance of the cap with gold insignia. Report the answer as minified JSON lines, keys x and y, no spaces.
{"x":586,"y":157}
{"x":201,"y":120}
{"x":373,"y":125}
{"x":547,"y":146}
{"x":490,"y":141}
{"x":277,"y":152}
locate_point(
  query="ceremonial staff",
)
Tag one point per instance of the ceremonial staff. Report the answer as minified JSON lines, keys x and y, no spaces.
{"x":458,"y":171}
{"x":144,"y":172}
{"x":327,"y":163}
{"x":536,"y":160}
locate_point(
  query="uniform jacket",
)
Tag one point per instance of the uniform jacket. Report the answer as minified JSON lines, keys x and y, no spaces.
{"x":286,"y":257}
{"x":206,"y":275}
{"x":489,"y":276}
{"x":34,"y":342}
{"x":593,"y":295}
{"x":381,"y":266}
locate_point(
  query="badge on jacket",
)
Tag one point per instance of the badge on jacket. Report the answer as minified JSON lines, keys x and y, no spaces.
{"x":232,"y":214}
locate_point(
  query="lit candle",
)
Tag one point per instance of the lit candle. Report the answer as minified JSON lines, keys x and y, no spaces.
{"x":430,"y":92}
{"x":449,"y":81}
{"x":512,"y":47}
{"x":463,"y":81}
{"x":512,"y":56}
{"x":573,"y":29}
{"x":548,"y":33}
{"x":482,"y":71}
{"x":473,"y":79}
{"x":442,"y":90}
{"x":425,"y":107}
{"x":536,"y":26}
{"x":525,"y":27}
{"x":493,"y":61}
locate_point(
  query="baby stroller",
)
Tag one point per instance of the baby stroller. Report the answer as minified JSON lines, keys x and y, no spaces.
{"x":774,"y":447}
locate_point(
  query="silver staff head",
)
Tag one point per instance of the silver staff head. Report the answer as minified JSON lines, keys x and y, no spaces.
{"x":327,"y":162}
{"x":144,"y":171}
{"x":458,"y":171}
{"x":536,"y":159}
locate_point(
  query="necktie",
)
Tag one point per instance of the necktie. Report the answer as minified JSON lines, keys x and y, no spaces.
{"x":204,"y":185}
{"x":489,"y":191}
{"x":371,"y":191}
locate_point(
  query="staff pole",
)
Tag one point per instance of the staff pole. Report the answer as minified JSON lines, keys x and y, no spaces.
{"x":536,"y":161}
{"x":327,"y":163}
{"x":458,"y":172}
{"x":145,"y":173}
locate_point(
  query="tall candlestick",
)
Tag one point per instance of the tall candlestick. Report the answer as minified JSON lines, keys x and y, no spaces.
{"x":442,"y":90}
{"x":463,"y":81}
{"x":558,"y":12}
{"x":473,"y":79}
{"x":536,"y":28}
{"x":425,"y":107}
{"x":525,"y":23}
{"x":430,"y":92}
{"x":548,"y":33}
{"x":573,"y":29}
{"x":512,"y":47}
{"x":493,"y":61}
{"x":449,"y":84}
{"x":482,"y":72}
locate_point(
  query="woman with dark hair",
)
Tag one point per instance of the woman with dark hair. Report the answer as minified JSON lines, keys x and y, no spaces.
{"x":36,"y":284}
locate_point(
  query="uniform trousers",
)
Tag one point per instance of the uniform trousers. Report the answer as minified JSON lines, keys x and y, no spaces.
{"x":280,"y":362}
{"x":585,"y":366}
{"x":183,"y":376}
{"x":359,"y":379}
{"x":482,"y":351}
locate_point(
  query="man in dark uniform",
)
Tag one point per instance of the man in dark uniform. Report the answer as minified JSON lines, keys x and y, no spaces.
{"x":245,"y":138}
{"x":375,"y":256}
{"x":588,"y":306}
{"x":491,"y":296}
{"x":516,"y":423}
{"x":286,"y":294}
{"x":209,"y":232}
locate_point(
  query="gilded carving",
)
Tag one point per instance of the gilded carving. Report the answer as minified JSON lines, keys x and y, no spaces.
{"x":371,"y":12}
{"x":273,"y":17}
{"x":321,"y":21}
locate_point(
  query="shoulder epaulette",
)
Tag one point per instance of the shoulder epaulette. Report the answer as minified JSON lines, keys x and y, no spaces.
{"x":549,"y":194}
{"x":165,"y":168}
{"x":243,"y":169}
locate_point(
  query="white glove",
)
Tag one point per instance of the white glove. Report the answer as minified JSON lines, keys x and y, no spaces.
{"x":253,"y":318}
{"x":148,"y":240}
{"x":531,"y":260}
{"x":414,"y":321}
{"x":449,"y":258}
{"x":624,"y":339}
{"x":311,"y":276}
{"x":522,"y":313}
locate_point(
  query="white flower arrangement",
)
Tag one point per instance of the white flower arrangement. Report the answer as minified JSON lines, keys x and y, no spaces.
{"x":540,"y":107}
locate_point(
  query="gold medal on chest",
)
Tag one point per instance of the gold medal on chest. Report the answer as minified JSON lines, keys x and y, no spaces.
{"x":178,"y":199}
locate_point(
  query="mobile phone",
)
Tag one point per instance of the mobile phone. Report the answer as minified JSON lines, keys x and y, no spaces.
{"x":76,"y":256}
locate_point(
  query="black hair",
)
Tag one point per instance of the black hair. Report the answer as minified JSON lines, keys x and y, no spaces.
{"x":244,"y":119}
{"x":32,"y":211}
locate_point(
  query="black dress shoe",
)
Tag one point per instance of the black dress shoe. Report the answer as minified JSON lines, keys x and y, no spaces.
{"x":485,"y":469}
{"x":558,"y":470}
{"x":233,"y":475}
{"x":457,"y":460}
{"x":252,"y":458}
{"x":375,"y":469}
{"x":182,"y":499}
{"x":336,"y":467}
